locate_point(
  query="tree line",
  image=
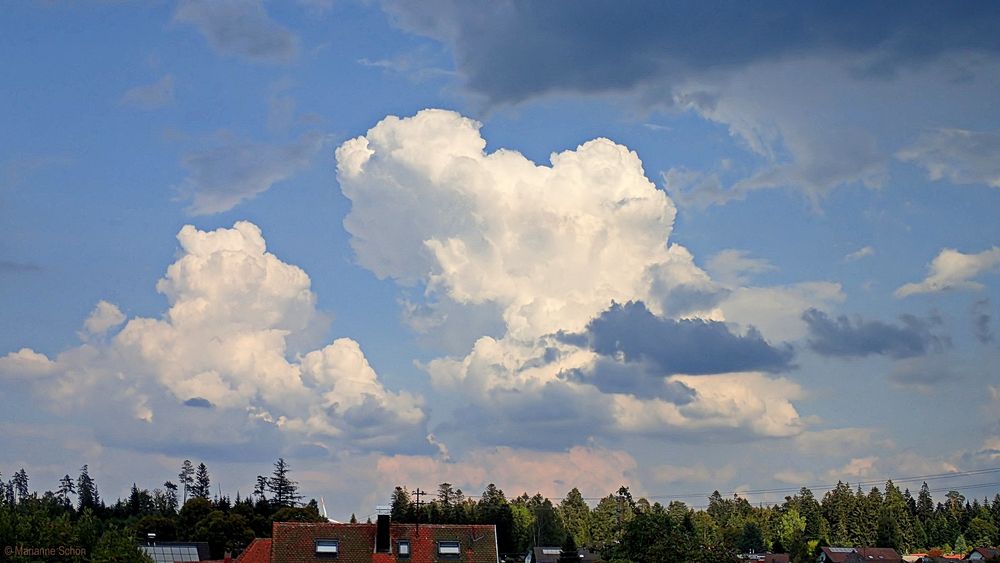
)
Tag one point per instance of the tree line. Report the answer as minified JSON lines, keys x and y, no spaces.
{"x":75,"y":515}
{"x":625,"y":529}
{"x":618,"y":526}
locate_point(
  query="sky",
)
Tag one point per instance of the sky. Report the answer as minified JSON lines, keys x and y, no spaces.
{"x":677,"y":246}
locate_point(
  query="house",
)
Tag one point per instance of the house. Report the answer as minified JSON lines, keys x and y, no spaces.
{"x":765,"y":557}
{"x":983,"y":553}
{"x":552,"y":554}
{"x":859,"y":555}
{"x":381,"y":542}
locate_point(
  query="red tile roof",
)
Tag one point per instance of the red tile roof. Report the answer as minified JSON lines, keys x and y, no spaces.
{"x":295,"y":542}
{"x":259,"y":551}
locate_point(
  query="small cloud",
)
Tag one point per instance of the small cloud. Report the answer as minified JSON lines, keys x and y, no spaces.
{"x":922,"y":374}
{"x":221,"y":178}
{"x":844,"y":337}
{"x":317,"y":7}
{"x":863,"y":252}
{"x":733,"y":267}
{"x":199,"y":402}
{"x":12,"y":267}
{"x":952,"y":269}
{"x":104,"y":317}
{"x":689,"y":346}
{"x":151,"y":96}
{"x":957,"y":155}
{"x":982,"y":321}
{"x":242,"y":28}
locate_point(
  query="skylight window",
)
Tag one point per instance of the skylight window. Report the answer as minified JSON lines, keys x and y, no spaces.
{"x":327,"y":548}
{"x":449,"y":549}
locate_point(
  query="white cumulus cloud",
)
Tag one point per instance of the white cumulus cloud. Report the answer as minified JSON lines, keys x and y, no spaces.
{"x":551,"y":246}
{"x":952,"y":269}
{"x":220,"y":353}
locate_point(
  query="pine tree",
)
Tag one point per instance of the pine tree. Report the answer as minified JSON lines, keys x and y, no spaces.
{"x":925,"y":504}
{"x":66,"y":488}
{"x":170,"y":496}
{"x":446,"y":495}
{"x":569,"y":553}
{"x":20,"y":482}
{"x":202,"y":482}
{"x":354,"y":518}
{"x":401,"y":507}
{"x":576,"y":516}
{"x":284,"y":491}
{"x":186,"y":479}
{"x":86,"y":491}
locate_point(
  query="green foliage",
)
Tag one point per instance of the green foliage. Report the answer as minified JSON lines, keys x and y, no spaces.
{"x":298,"y":514}
{"x":622,"y":528}
{"x":223,"y":532}
{"x":118,"y":545}
{"x":576,"y":516}
{"x":284,"y":491}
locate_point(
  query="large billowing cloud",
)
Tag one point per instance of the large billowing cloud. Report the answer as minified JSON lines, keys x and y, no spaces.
{"x":552,"y":248}
{"x":219,"y":356}
{"x":952,"y":269}
{"x":551,"y":245}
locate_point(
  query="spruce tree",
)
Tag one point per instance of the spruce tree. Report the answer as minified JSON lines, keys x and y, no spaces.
{"x":66,"y":488}
{"x":20,"y":482}
{"x":284,"y":491}
{"x":576,"y":516}
{"x":401,"y":506}
{"x":86,"y":491}
{"x":202,"y":482}
{"x":186,"y":479}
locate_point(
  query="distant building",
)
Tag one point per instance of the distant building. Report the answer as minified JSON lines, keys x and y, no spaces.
{"x":176,"y":551}
{"x":859,"y":555}
{"x":764,"y":558}
{"x":382,"y":542}
{"x":552,"y":554}
{"x":983,"y":553}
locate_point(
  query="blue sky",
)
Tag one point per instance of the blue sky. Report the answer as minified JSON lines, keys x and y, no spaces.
{"x":541,"y":245}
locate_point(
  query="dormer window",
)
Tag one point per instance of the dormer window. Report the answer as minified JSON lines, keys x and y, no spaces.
{"x":327,"y":548}
{"x":449,"y":549}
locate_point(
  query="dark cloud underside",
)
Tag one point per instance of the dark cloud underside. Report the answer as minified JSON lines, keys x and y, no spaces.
{"x":689,"y":346}
{"x":511,"y":51}
{"x":855,"y":338}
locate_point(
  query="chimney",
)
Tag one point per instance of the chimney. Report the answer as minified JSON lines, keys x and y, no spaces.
{"x":383,"y":543}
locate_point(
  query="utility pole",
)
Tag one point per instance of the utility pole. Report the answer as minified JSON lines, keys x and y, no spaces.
{"x":418,"y":493}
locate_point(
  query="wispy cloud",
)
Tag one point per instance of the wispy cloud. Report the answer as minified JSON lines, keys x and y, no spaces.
{"x":240,"y":27}
{"x":220,"y":178}
{"x":958,"y":156}
{"x":860,"y":253}
{"x":151,"y":96}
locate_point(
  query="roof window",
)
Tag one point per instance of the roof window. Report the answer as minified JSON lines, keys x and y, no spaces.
{"x":327,"y":548}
